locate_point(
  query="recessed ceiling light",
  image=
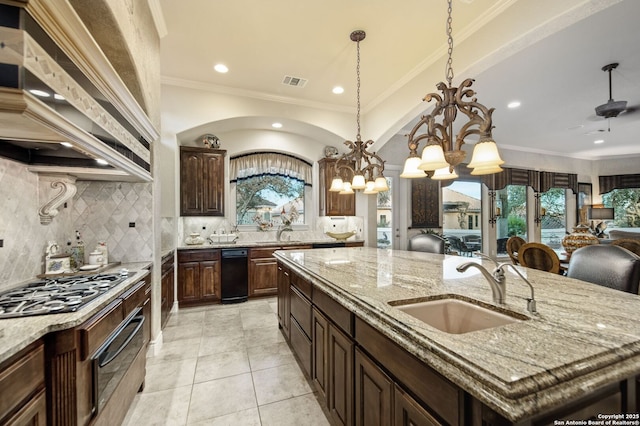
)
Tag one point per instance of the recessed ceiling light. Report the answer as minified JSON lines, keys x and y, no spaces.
{"x":221,"y":68}
{"x":513,"y":104}
{"x":67,"y":144}
{"x":276,"y":125}
{"x":101,"y":161}
{"x":338,"y":90}
{"x":599,"y":141}
{"x":58,"y":97}
{"x":40,"y":93}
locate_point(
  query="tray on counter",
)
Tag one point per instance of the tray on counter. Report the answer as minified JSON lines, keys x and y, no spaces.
{"x":79,"y":272}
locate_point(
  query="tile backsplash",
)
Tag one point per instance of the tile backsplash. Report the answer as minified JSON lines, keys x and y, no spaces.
{"x":101,"y":211}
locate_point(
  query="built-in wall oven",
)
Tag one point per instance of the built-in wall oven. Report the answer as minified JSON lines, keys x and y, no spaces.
{"x":113,"y":359}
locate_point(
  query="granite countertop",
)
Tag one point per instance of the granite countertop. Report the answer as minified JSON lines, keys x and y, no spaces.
{"x":18,"y":333}
{"x":583,"y":337}
{"x":266,"y":243}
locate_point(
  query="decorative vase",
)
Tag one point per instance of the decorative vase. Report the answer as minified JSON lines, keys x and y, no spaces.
{"x":580,"y":237}
{"x":194,"y":239}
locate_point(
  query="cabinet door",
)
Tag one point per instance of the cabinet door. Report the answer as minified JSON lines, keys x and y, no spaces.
{"x":191,"y":172}
{"x":320,"y":360}
{"x":374,"y":392}
{"x":332,"y":203}
{"x":340,"y":350}
{"x":263,"y":276}
{"x":33,"y":413}
{"x":166,"y":303}
{"x":408,"y":412}
{"x":213,"y":184}
{"x":210,"y":280}
{"x":188,"y":282}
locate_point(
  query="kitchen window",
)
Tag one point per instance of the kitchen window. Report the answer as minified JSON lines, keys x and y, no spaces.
{"x":270,"y":187}
{"x":626,"y":207}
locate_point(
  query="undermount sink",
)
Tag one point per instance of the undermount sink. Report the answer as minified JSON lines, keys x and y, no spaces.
{"x":455,"y":316}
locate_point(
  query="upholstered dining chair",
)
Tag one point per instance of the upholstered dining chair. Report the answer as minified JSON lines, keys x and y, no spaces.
{"x":539,"y":256}
{"x":606,"y":265}
{"x":513,"y":246}
{"x":428,"y":243}
{"x":628,"y":243}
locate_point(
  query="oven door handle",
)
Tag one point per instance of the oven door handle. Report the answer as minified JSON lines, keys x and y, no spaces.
{"x":108,"y":356}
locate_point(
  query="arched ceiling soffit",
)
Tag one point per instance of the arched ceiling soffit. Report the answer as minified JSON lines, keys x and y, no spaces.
{"x":101,"y":22}
{"x":310,"y":131}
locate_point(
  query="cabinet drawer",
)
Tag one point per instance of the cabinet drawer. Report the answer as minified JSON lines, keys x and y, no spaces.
{"x":301,"y":284}
{"x":332,"y":309}
{"x":20,"y":379}
{"x":96,"y":330}
{"x":301,"y":346}
{"x":167,"y":263}
{"x":263,"y":252}
{"x":134,"y":297}
{"x":301,"y":310}
{"x":198,"y":255}
{"x":302,"y":247}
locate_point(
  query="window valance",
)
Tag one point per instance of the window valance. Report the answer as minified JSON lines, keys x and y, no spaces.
{"x":609,"y":183}
{"x":270,"y":163}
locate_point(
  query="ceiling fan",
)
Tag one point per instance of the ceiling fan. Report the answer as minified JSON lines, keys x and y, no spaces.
{"x":612,"y":108}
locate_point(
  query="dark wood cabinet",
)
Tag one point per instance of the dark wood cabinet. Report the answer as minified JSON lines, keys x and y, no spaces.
{"x":333,"y":203}
{"x":263,"y":272}
{"x":167,"y":283}
{"x":340,"y":349}
{"x":201,"y":182}
{"x":199,"y":280}
{"x":284,"y":301}
{"x":407,"y":411}
{"x":373,"y":393}
{"x":425,"y":203}
{"x":22,"y":388}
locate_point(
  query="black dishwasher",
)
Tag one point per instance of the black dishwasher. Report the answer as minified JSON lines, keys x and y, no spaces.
{"x":235,"y":276}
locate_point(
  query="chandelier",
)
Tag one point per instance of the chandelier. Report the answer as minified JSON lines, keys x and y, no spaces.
{"x":441,"y":155}
{"x":363,"y":167}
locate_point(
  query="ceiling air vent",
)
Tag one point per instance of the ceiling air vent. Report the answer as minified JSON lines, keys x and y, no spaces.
{"x":294,"y":81}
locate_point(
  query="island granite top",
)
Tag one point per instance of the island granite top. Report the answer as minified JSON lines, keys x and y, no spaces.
{"x":583,"y":337}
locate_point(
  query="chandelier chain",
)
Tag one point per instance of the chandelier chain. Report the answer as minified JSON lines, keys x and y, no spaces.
{"x":358,"y":89}
{"x":449,"y":68}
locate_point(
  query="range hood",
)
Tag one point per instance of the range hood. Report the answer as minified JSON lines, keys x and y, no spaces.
{"x":61,"y":116}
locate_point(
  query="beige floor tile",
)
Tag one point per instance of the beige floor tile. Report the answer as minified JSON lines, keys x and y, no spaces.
{"x":224,"y":343}
{"x":221,"y":311}
{"x":279,"y":383}
{"x":176,"y":351}
{"x":268,"y":356}
{"x":186,"y":317}
{"x":301,"y":410}
{"x":220,"y":397}
{"x":220,"y":365}
{"x":181,"y":332}
{"x":252,"y":319}
{"x":250,"y":417}
{"x":168,"y":407}
{"x":263,"y":336}
{"x":170,"y":375}
{"x":222,"y":326}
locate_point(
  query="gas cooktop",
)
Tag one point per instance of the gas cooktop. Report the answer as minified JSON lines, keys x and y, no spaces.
{"x":55,"y":295}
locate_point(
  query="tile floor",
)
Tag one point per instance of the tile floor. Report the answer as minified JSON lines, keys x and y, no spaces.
{"x":225,"y":365}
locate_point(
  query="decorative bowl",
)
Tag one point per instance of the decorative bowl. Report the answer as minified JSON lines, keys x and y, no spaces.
{"x":341,"y":236}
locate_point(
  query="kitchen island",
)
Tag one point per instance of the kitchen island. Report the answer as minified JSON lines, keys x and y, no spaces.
{"x":578,"y":356}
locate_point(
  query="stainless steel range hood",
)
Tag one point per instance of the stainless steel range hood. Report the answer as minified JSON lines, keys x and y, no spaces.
{"x":47,"y":99}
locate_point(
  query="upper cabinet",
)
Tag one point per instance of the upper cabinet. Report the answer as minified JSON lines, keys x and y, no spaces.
{"x":333,"y":203}
{"x":201,"y":181}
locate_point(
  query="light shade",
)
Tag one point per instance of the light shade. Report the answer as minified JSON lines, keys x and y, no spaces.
{"x":600,"y":213}
{"x":486,"y":170}
{"x":370,"y":188}
{"x":346,"y":188}
{"x":411,"y":169}
{"x":357,"y":182}
{"x":336,"y":185}
{"x":485,"y":155}
{"x":380,"y":184}
{"x":444,"y":174}
{"x":433,"y":158}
